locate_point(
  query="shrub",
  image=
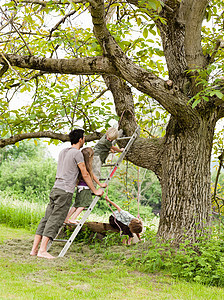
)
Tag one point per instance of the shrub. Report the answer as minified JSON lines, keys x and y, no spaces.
{"x":24,"y":214}
{"x":30,"y":180}
{"x":202,"y":262}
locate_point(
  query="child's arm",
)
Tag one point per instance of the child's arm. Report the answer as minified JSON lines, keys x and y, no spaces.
{"x":103,"y":185}
{"x":139,"y":237}
{"x":112,"y":203}
{"x":116,"y":149}
{"x":88,"y":180}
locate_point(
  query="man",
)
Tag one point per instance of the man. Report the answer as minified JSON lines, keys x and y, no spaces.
{"x":70,"y":162}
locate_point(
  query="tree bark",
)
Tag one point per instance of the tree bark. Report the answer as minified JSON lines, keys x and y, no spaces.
{"x":186,"y":194}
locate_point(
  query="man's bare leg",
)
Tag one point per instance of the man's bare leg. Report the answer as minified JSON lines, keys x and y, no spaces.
{"x":70,"y":213}
{"x":36,"y":242}
{"x":43,"y":248}
{"x":75,"y":215}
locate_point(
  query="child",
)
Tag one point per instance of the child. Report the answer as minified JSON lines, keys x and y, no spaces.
{"x":83,"y":195}
{"x":102,"y":149}
{"x":126,"y":222}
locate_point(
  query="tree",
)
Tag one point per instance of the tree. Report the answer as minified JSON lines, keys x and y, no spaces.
{"x":42,"y":46}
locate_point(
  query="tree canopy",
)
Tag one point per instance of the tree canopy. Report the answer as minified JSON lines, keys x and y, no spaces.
{"x":160,"y":60}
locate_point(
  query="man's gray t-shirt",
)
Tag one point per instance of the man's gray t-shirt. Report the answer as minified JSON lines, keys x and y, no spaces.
{"x":67,"y":169}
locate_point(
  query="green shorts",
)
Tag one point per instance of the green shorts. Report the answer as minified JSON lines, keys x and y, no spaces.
{"x":55,"y":214}
{"x":83,"y":198}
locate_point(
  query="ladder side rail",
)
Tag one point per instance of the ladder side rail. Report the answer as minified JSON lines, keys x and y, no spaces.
{"x":78,"y":227}
{"x":128,"y":146}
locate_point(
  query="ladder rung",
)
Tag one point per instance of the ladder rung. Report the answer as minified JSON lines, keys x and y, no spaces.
{"x":60,"y":240}
{"x":124,"y":138}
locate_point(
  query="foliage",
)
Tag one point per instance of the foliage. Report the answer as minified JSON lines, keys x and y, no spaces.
{"x":31,"y":180}
{"x":27,"y":172}
{"x":58,"y":101}
{"x":23,"y":150}
{"x":201,"y":262}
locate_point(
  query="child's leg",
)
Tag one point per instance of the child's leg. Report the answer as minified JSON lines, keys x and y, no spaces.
{"x":70,"y":213}
{"x":75,"y":215}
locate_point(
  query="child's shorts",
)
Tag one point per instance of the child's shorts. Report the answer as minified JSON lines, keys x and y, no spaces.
{"x":83,"y":198}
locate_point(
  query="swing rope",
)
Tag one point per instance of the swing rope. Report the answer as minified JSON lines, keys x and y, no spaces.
{"x":115,"y":220}
{"x":138,"y":196}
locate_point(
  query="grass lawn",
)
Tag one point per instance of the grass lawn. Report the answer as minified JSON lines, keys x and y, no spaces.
{"x":83,"y":273}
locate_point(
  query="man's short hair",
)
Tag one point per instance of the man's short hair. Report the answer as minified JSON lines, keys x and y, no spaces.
{"x":112,"y":133}
{"x":75,"y":135}
{"x":136,"y":226}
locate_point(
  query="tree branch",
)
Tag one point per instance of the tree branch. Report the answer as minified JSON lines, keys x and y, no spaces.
{"x":62,"y":21}
{"x":45,"y":134}
{"x":212,"y":58}
{"x":147,"y":82}
{"x":191,"y":14}
{"x":87,"y":65}
{"x":3,"y":70}
{"x":13,"y":25}
{"x":45,"y":3}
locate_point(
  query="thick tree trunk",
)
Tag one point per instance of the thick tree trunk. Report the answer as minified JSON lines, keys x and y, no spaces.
{"x":186,"y":195}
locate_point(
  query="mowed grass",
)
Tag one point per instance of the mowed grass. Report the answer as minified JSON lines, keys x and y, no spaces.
{"x":82,"y":274}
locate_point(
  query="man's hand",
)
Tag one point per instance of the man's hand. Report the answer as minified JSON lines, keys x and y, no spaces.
{"x":103,"y":185}
{"x":99,"y":192}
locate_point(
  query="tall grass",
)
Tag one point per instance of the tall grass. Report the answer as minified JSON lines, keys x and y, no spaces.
{"x":24,"y":214}
{"x":20,"y":214}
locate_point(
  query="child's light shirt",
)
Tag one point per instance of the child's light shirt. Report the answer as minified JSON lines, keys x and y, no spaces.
{"x":124,"y":216}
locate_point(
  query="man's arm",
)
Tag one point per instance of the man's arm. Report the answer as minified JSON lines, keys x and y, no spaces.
{"x":114,"y":204}
{"x":88,"y":180}
{"x":103,"y":185}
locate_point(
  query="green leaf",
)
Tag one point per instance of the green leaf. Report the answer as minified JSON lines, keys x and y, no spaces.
{"x":145,"y":32}
{"x":163,"y":133}
{"x":157,"y":114}
{"x":139,"y":21}
{"x":153,"y":4}
{"x":219,"y":94}
{"x":196,"y":102}
{"x":4,"y":132}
